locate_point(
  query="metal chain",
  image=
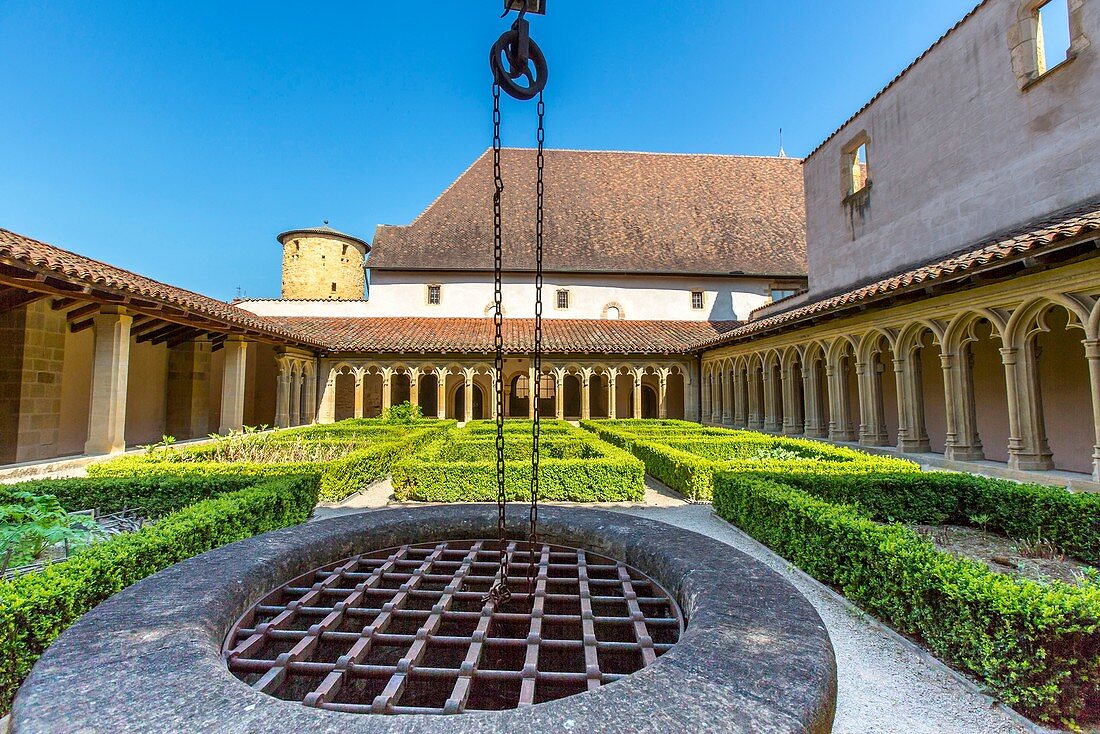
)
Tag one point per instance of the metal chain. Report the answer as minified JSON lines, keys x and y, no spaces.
{"x":500,"y":592}
{"x":536,"y":428}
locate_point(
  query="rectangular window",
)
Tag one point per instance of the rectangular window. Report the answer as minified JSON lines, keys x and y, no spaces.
{"x":333,"y":287}
{"x":697,"y":300}
{"x":857,"y":168}
{"x":778,"y":294}
{"x":1053,"y":34}
{"x":563,"y":299}
{"x":435,"y":295}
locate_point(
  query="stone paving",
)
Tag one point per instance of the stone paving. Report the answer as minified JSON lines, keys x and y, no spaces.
{"x":886,"y":684}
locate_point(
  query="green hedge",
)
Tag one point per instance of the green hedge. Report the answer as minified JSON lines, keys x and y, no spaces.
{"x":152,"y":496}
{"x":686,"y":459}
{"x":339,"y":478}
{"x":1031,"y":511}
{"x":574,"y":467}
{"x":1037,"y":646}
{"x":36,"y":608}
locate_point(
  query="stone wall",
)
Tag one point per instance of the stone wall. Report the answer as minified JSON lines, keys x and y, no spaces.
{"x":31,"y":365}
{"x":966,"y":144}
{"x":323,"y":268}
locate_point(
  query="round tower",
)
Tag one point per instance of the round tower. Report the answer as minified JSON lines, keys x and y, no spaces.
{"x":323,"y":264}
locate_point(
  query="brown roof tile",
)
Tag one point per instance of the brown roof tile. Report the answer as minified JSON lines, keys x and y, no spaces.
{"x":73,"y":267}
{"x":1029,"y":239}
{"x":615,"y":212}
{"x":461,"y":335}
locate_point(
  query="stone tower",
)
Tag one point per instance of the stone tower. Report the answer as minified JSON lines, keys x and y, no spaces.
{"x":323,"y":264}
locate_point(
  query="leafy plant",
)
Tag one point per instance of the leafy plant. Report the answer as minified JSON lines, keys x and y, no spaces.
{"x":164,"y":443}
{"x":1041,"y":549}
{"x":406,"y":412}
{"x":32,"y":524}
{"x":980,"y":521}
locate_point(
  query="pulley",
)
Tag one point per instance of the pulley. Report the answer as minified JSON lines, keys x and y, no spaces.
{"x":515,"y":56}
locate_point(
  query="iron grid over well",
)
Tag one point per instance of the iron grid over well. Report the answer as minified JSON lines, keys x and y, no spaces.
{"x":407,"y":630}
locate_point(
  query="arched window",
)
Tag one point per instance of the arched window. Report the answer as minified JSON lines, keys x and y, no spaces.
{"x":522,"y":387}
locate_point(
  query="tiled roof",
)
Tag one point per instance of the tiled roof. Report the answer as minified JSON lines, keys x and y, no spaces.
{"x":18,"y":248}
{"x":1028,"y":239}
{"x":458,"y":335}
{"x":609,"y":212}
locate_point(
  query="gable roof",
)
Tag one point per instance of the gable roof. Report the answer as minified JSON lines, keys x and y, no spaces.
{"x":466,"y":335}
{"x":610,"y":212}
{"x":69,"y":267}
{"x":1030,"y":240}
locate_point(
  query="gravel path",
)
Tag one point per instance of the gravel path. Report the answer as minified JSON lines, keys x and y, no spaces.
{"x":886,"y":686}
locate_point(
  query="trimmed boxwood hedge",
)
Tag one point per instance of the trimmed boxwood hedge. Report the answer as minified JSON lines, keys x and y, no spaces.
{"x":1037,"y":646}
{"x":340,"y":478}
{"x":575,"y":467}
{"x":685,"y":458}
{"x":36,"y":608}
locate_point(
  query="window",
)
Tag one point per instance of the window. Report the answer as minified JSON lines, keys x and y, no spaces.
{"x":563,"y":299}
{"x":435,"y":295}
{"x":856,"y":165}
{"x":548,"y":387}
{"x":697,"y":300}
{"x":1052,"y":37}
{"x":778,"y":294}
{"x":333,"y":287}
{"x":521,"y":388}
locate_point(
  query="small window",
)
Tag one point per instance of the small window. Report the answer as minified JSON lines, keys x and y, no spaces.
{"x":333,"y":287}
{"x":563,"y":299}
{"x":778,"y":294}
{"x":697,"y":300}
{"x":857,"y":167}
{"x":435,"y":295}
{"x":1052,"y":41}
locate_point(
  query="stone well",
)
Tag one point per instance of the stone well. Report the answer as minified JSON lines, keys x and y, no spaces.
{"x":753,"y":655}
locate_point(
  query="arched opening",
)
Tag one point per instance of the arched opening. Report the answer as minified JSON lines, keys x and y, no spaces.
{"x":345,"y":396}
{"x":847,"y":416}
{"x":399,"y":389}
{"x":372,"y":395}
{"x":933,"y":403}
{"x":1065,"y":392}
{"x":675,"y":396}
{"x":571,"y":399}
{"x":756,"y":397}
{"x":519,"y":402}
{"x":796,"y":422}
{"x":428,"y":395}
{"x":624,"y":395}
{"x":990,"y":391}
{"x":881,"y":424}
{"x":773,"y":403}
{"x":817,"y":399}
{"x":478,"y":412}
{"x":649,"y":402}
{"x":597,"y":395}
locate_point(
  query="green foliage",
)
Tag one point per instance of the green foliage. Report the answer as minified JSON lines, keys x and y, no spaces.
{"x":1037,"y":646}
{"x":36,"y":608}
{"x":574,"y":467}
{"x":345,"y":464}
{"x":406,"y":412}
{"x":34,"y":522}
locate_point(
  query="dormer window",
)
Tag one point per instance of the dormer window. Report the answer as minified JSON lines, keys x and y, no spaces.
{"x":435,"y":295}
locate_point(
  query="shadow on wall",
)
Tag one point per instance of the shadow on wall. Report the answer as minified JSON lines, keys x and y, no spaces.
{"x":722,"y":310}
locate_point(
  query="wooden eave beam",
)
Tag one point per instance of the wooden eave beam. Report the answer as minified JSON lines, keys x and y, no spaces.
{"x":12,"y":298}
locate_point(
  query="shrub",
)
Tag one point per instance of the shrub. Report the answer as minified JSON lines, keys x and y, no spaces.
{"x":152,"y":495}
{"x":574,"y":467}
{"x":1037,"y":646}
{"x":36,"y":608}
{"x":405,"y":412}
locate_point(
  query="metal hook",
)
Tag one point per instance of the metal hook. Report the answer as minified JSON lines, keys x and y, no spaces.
{"x":510,"y":7}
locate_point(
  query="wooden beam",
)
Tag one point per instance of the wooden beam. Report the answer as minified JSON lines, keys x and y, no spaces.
{"x":13,"y":298}
{"x":159,"y":334}
{"x":81,"y":326}
{"x":60,"y":304}
{"x":152,"y":323}
{"x":78,"y":314}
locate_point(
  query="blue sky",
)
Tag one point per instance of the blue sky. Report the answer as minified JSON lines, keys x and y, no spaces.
{"x":177,"y":139}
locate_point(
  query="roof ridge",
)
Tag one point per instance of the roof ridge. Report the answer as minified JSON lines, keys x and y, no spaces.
{"x":898,"y":78}
{"x":657,"y":153}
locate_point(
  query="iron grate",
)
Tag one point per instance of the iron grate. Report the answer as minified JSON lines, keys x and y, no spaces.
{"x":406,"y":631}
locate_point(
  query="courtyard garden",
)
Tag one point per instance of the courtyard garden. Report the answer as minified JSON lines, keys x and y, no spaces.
{"x":993,"y":577}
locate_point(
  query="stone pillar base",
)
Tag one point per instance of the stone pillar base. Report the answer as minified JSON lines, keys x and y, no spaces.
{"x":1030,"y":462}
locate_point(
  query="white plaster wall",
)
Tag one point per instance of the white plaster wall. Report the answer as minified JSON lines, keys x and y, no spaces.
{"x":467,"y":295}
{"x":957,"y":152}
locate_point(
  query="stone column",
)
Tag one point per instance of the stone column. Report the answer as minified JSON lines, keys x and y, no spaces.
{"x":586,"y":395}
{"x":1027,"y":444}
{"x":282,"y":395}
{"x":637,"y":408}
{"x":187,"y":413}
{"x":612,"y":395}
{"x":872,"y":426}
{"x":773,"y":397}
{"x":841,"y":427}
{"x":740,"y":409}
{"x":1092,"y":352}
{"x":794,"y":420}
{"x":756,"y":419}
{"x":912,"y":431}
{"x":811,"y":402}
{"x":414,"y":387}
{"x":309,"y":405}
{"x":468,"y":394}
{"x":360,"y":397}
{"x":387,"y":390}
{"x":963,"y":442}
{"x":441,"y":394}
{"x":296,"y":384}
{"x":559,"y":395}
{"x":327,"y":413}
{"x":110,"y":370}
{"x":662,"y":395}
{"x":234,"y":382}
{"x":705,"y":407}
